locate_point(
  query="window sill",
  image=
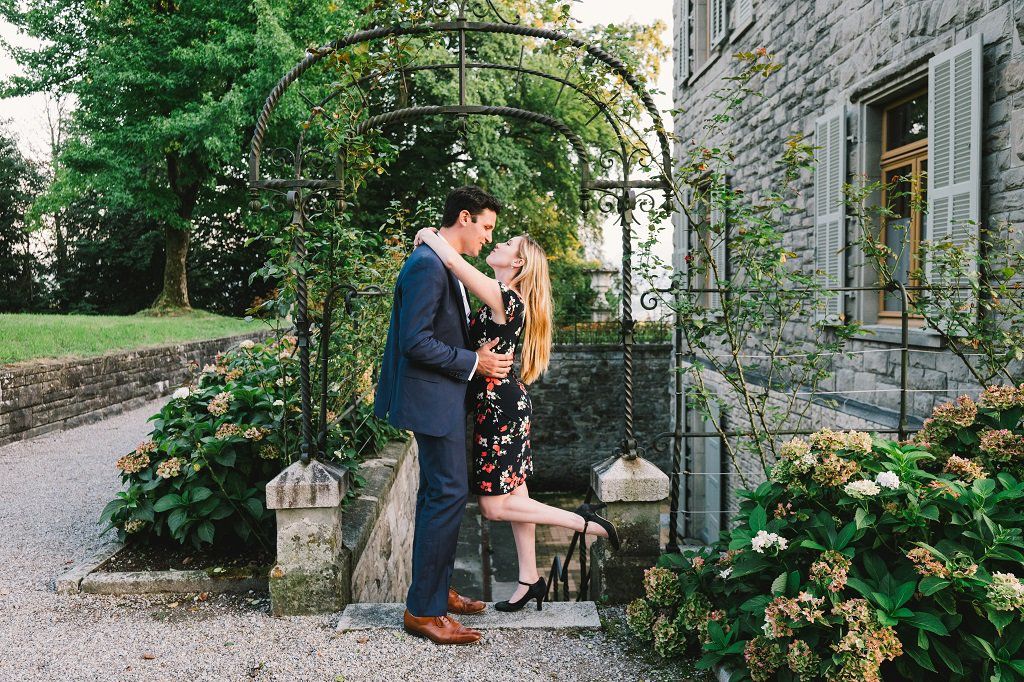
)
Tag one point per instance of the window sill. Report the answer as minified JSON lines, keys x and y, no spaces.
{"x":699,"y":71}
{"x":887,"y":333}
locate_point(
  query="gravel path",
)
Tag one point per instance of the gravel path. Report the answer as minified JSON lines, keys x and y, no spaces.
{"x":52,"y":489}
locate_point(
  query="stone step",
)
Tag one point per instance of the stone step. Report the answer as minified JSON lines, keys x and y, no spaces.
{"x":554,"y":616}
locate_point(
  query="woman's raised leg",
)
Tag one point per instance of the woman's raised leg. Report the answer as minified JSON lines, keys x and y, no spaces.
{"x":525,"y":509}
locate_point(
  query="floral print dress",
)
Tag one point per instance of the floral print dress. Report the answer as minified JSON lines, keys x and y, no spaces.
{"x":501,"y":407}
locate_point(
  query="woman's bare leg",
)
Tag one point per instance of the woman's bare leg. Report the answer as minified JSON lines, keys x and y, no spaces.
{"x":525,"y":509}
{"x":526,"y":549}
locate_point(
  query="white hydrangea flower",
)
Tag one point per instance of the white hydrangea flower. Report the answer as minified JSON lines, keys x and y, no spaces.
{"x":209,"y":369}
{"x":182,"y":393}
{"x":888,"y":479}
{"x":863,"y":488}
{"x":764,"y":540}
{"x":247,"y":344}
{"x":279,"y":403}
{"x":725,"y":574}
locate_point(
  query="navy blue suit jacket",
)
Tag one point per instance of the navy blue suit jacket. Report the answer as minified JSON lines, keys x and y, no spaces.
{"x":427,"y":362}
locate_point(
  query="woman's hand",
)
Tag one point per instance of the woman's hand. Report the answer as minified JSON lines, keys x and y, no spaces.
{"x":419,"y":235}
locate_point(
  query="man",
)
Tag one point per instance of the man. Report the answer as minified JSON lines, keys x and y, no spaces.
{"x":426,"y":367}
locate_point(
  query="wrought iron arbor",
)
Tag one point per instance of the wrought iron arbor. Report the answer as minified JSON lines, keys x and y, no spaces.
{"x":313,"y":188}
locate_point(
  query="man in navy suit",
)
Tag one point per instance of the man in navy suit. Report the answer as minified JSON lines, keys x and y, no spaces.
{"x":426,"y":366}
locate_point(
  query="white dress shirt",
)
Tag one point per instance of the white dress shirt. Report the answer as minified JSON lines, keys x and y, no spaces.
{"x":466,"y":312}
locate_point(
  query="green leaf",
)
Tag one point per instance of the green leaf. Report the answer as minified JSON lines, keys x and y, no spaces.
{"x":779,"y":584}
{"x":930,"y":512}
{"x":927,"y":621}
{"x":1000,"y":618}
{"x":862,"y":518}
{"x":167,"y":502}
{"x":205,"y":531}
{"x":930,"y":585}
{"x":903,"y":594}
{"x":986,"y":647}
{"x":920,"y":656}
{"x":983,"y":487}
{"x":177,"y":519}
{"x":199,"y":494}
{"x":845,"y":536}
{"x":758,"y":520}
{"x":948,"y":656}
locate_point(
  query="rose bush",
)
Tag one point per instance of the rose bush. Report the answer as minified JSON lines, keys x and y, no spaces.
{"x":202,"y":473}
{"x":864,"y":559}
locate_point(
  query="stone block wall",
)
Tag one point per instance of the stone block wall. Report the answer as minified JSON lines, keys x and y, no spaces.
{"x":45,"y":395}
{"x":578,"y":410}
{"x":378,"y":525}
{"x":848,"y":51}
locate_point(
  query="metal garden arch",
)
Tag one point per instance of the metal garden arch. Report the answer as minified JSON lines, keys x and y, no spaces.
{"x":310,"y":189}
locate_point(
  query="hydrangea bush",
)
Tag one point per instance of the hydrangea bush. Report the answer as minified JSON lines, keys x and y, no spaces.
{"x":864,"y":559}
{"x":202,"y":473}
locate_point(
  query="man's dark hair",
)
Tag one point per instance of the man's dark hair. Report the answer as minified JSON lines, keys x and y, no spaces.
{"x":467,"y":198}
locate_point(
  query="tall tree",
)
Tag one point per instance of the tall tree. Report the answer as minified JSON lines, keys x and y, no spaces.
{"x":167,"y":93}
{"x":19,"y":182}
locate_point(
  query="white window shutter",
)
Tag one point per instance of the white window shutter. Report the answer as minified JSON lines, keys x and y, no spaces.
{"x":830,"y":207}
{"x":718,"y":15}
{"x":719,"y":276}
{"x":954,"y":146}
{"x":682,"y":61}
{"x":744,"y":14}
{"x":713,"y":466}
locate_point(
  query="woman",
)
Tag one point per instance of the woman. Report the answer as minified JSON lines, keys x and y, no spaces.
{"x":517,"y":307}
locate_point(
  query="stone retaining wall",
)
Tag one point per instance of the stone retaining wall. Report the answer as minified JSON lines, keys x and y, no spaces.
{"x":46,"y":395}
{"x":377,"y":527}
{"x":578,"y":410}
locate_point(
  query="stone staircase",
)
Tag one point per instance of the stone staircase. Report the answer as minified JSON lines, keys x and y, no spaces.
{"x":554,"y":616}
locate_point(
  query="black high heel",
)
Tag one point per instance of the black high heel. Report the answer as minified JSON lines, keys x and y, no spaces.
{"x":537,"y":591}
{"x":589,"y":514}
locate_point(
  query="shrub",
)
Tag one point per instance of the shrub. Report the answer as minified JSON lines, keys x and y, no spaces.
{"x":203,"y":471}
{"x":864,"y":559}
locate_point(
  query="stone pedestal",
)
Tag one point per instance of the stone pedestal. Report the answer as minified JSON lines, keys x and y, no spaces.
{"x":313,"y":566}
{"x":634,"y":490}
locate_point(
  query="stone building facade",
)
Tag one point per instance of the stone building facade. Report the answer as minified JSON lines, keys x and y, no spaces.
{"x":929,"y":89}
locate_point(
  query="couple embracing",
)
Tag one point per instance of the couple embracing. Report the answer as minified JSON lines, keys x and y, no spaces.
{"x":442,"y":359}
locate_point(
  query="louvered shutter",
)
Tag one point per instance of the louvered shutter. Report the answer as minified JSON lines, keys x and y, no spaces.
{"x":718,"y":15}
{"x":681,"y":238}
{"x":682,"y":41}
{"x":712,"y":511}
{"x":744,"y":14}
{"x":829,"y":206}
{"x":954,"y":148}
{"x":720,"y":254}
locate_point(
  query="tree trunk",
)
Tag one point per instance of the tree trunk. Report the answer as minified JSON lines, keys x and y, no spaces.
{"x":175,"y":291}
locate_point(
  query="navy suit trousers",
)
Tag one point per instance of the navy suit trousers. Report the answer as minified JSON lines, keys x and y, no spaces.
{"x":440,"y":503}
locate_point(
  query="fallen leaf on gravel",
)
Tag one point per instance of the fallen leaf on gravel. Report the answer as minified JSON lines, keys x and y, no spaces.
{"x":172,"y":605}
{"x":363,"y":640}
{"x":203,"y":596}
{"x":148,"y":657}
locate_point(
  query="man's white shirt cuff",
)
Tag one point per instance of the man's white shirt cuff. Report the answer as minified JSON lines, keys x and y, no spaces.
{"x":476,"y":361}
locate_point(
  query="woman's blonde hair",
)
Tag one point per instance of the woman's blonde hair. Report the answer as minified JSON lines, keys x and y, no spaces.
{"x":534,"y":283}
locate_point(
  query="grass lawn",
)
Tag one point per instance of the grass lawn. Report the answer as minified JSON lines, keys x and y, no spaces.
{"x":27,"y":337}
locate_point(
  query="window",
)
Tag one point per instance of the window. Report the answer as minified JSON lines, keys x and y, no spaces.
{"x":904,"y":165}
{"x":703,"y":28}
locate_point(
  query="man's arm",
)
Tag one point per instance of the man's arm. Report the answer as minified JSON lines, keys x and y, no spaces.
{"x":423,"y":291}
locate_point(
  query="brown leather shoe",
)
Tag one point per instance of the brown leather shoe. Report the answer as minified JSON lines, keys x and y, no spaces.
{"x":440,"y":629}
{"x":463,"y":605}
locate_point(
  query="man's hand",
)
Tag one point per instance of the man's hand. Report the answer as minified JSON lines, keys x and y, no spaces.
{"x":492,"y":364}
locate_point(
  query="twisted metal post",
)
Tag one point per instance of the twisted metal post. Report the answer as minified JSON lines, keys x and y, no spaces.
{"x":308,"y":446}
{"x":627,"y":201}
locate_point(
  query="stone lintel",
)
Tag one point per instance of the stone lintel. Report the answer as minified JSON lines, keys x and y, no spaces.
{"x":305,"y":486}
{"x":618,"y":479}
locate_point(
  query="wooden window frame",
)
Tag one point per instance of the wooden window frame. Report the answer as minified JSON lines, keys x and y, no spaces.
{"x":913,"y":154}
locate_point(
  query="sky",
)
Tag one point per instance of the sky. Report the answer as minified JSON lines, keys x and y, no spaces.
{"x":29,"y":121}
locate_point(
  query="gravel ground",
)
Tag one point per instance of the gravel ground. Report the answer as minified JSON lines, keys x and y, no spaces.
{"x":52,"y":489}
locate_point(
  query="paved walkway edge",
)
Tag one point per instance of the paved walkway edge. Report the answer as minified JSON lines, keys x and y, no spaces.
{"x":554,"y":616}
{"x":71,"y":581}
{"x":150,"y":582}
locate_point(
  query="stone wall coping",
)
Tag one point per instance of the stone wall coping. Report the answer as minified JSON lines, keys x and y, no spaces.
{"x":171,"y":581}
{"x":361,"y":513}
{"x":308,"y":486}
{"x":618,"y":479}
